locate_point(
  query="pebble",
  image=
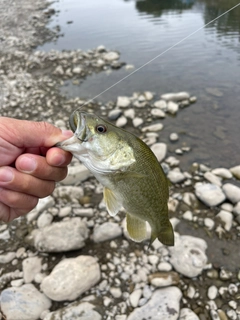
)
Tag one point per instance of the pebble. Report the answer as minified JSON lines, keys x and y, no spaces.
{"x":161,"y":104}
{"x":121,"y":121}
{"x":123,"y":102}
{"x":24,"y":302}
{"x":164,"y":304}
{"x":153,"y":127}
{"x":188,"y":215}
{"x":187,"y":314}
{"x":71,"y":277}
{"x":148,"y":95}
{"x":75,"y":311}
{"x":106,"y":231}
{"x":236,"y":171}
{"x":31,"y":266}
{"x":209,"y":223}
{"x":227,"y":206}
{"x":172,"y":107}
{"x":129,"y":113}
{"x":236,"y":209}
{"x":212,"y":292}
{"x":174,"y":137}
{"x":172,"y":161}
{"x":137,"y":122}
{"x":232,"y":192}
{"x":135,"y":297}
{"x":76,"y":174}
{"x":43,"y":204}
{"x":223,"y":173}
{"x":164,"y":266}
{"x":176,"y":176}
{"x":158,"y":113}
{"x":77,"y":70}
{"x":227,"y":219}
{"x":210,"y":194}
{"x":188,"y":255}
{"x":116,"y":292}
{"x":65,"y":211}
{"x":111,"y":56}
{"x":45,"y":219}
{"x":178,"y":96}
{"x":164,"y":279}
{"x":212,"y":178}
{"x":160,"y":150}
{"x":114,"y":114}
{"x":7,"y":257}
{"x":60,"y":236}
{"x":190,"y":199}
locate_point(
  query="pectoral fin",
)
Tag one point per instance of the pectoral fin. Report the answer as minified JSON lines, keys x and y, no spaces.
{"x":112,"y":203}
{"x":136,"y":228}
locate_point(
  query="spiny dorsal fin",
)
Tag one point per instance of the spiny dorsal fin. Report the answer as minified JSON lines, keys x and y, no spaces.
{"x":112,"y":203}
{"x":136,"y":228}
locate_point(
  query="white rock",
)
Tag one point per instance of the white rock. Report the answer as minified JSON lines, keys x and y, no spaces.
{"x":164,"y":304}
{"x":75,"y":311}
{"x":71,"y":277}
{"x":188,"y":215}
{"x":188,"y":255}
{"x":172,"y":107}
{"x":7,"y":257}
{"x":63,"y":212}
{"x":45,"y":219}
{"x":227,"y":219}
{"x":31,"y":266}
{"x":174,"y":137}
{"x":176,"y":176}
{"x":212,"y":178}
{"x":76,"y":174}
{"x":209,"y":223}
{"x":121,"y":121}
{"x":187,"y":314}
{"x":106,"y":231}
{"x":61,"y":236}
{"x":137,"y":122}
{"x":236,"y":209}
{"x":24,"y":302}
{"x":164,"y":266}
{"x":135,"y":297}
{"x":222,"y":172}
{"x":232,"y":192}
{"x":160,"y":150}
{"x":130,"y":113}
{"x":69,"y":192}
{"x":210,"y":194}
{"x":227,"y":206}
{"x":101,"y":48}
{"x":59,"y":70}
{"x":172,"y":161}
{"x":212,"y":292}
{"x":190,"y":199}
{"x":164,"y":279}
{"x":116,"y":292}
{"x":236,"y":172}
{"x":175,"y":96}
{"x":123,"y":102}
{"x":77,"y":70}
{"x":111,"y":56}
{"x":158,"y":113}
{"x":43,"y":204}
{"x":161,"y":104}
{"x":153,"y":127}
{"x":148,"y":95}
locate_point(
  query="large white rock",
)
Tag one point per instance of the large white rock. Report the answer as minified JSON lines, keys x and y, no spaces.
{"x":24,"y":302}
{"x":176,"y":176}
{"x":212,"y":178}
{"x":172,"y":107}
{"x":222,"y":172}
{"x":160,"y":150}
{"x":188,"y":255}
{"x":111,"y":56}
{"x":75,"y":311}
{"x":61,"y":236}
{"x":76,"y":174}
{"x":71,"y":277}
{"x":232,"y":192}
{"x":178,"y":96}
{"x":164,"y":304}
{"x":106,"y":231}
{"x":161,"y":104}
{"x":210,"y":194}
{"x":236,"y":172}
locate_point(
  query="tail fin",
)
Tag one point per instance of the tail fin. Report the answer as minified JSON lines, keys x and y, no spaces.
{"x":166,"y":235}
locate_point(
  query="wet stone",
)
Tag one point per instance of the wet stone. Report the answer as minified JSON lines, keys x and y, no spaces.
{"x":209,"y":194}
{"x":232,"y":192}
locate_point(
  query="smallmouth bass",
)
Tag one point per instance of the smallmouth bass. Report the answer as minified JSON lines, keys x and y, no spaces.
{"x":128,"y":170}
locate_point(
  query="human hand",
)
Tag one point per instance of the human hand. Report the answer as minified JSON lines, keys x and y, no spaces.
{"x":29,"y":166}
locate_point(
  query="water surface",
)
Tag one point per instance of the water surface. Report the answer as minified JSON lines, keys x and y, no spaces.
{"x":207,"y":64}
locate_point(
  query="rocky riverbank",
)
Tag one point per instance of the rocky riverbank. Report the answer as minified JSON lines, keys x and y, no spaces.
{"x":68,"y":259}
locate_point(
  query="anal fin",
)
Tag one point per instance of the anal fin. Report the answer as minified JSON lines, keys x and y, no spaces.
{"x":136,"y":228}
{"x":112,"y":203}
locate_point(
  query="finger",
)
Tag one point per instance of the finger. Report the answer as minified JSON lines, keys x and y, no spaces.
{"x":38,"y":167}
{"x":14,"y":204}
{"x":58,"y":157}
{"x":25,"y":183}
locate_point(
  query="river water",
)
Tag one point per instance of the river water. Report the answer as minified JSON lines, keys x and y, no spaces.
{"x":207,"y":64}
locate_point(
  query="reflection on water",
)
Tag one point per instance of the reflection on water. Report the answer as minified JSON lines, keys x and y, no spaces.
{"x":207,"y":62}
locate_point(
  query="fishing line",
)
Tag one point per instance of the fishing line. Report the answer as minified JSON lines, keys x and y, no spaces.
{"x":161,"y":54}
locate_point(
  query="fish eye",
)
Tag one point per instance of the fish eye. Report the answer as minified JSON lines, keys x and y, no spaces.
{"x":101,"y":128}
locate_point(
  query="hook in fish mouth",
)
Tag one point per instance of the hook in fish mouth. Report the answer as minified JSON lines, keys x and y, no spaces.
{"x":77,"y":123}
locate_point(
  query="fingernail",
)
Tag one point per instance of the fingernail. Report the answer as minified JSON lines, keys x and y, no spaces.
{"x":6,"y":175}
{"x":27,"y":164}
{"x":67,"y":133}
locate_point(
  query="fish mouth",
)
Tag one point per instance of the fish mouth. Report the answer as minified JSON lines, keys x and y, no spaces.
{"x":77,"y":122}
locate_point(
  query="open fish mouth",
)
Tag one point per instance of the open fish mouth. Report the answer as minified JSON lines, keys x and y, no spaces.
{"x":77,"y":123}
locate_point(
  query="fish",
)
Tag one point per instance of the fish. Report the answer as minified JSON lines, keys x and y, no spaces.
{"x":129,"y":171}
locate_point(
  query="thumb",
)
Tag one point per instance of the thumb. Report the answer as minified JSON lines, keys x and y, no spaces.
{"x":25,"y":134}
